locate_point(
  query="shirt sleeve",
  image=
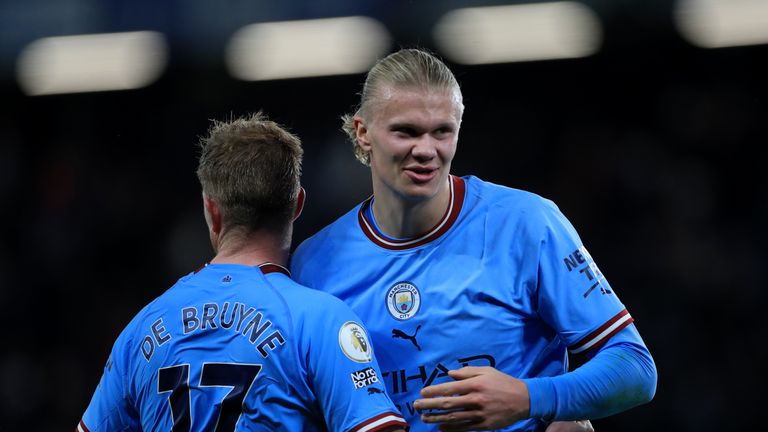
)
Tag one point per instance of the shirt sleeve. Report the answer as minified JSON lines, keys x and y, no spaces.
{"x":110,"y":408}
{"x":345,"y":375}
{"x":621,"y":375}
{"x":574,"y":297}
{"x":576,"y":300}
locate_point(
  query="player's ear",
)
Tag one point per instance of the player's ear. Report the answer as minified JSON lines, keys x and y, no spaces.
{"x":300,"y":203}
{"x":361,"y":133}
{"x":212,"y":214}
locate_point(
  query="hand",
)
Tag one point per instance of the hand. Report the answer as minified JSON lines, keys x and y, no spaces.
{"x":571,"y":426}
{"x":480,"y":398}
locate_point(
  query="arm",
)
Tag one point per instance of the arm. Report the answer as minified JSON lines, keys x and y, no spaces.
{"x":620,"y":376}
{"x":482,"y":398}
{"x":110,"y":408}
{"x":342,"y":368}
{"x":574,"y":299}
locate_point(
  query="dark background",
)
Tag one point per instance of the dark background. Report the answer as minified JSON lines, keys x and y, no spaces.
{"x":652,"y":147}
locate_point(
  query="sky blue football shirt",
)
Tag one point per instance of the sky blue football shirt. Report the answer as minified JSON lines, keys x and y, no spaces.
{"x":230,"y":348}
{"x":502,"y":280}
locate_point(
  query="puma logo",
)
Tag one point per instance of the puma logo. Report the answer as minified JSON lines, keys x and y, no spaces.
{"x":373,"y":390}
{"x":396,"y":333}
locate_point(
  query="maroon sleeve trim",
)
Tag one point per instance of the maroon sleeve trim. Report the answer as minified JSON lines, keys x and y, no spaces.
{"x":601,"y":335}
{"x":81,"y":427}
{"x":382,"y":423}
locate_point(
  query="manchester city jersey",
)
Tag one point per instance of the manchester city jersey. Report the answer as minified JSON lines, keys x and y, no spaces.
{"x":234,"y":347}
{"x":503,"y":280}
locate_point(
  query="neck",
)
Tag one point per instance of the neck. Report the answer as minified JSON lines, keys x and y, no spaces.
{"x":400,"y":217}
{"x":252,"y":249}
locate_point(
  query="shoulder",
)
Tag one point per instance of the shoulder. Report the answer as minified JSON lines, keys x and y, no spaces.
{"x":344,"y":224}
{"x":502,"y":199}
{"x":307,"y":303}
{"x":126,"y":349}
{"x":150,"y":313}
{"x":519,"y":216}
{"x":328,"y":242}
{"x":145,"y":314}
{"x":314,"y":315}
{"x":155,"y":310}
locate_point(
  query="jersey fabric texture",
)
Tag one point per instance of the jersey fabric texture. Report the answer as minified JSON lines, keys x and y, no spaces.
{"x":503,"y":280}
{"x":233,"y":347}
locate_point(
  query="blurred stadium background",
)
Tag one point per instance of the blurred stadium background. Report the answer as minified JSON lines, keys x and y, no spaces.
{"x":643,"y":119}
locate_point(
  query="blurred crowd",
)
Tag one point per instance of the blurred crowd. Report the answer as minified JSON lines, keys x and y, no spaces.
{"x":653,"y":155}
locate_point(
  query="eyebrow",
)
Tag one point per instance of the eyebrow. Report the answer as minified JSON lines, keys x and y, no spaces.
{"x":397,"y":125}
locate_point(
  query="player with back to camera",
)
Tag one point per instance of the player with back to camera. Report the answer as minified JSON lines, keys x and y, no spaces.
{"x":473,"y":292}
{"x":237,"y":345}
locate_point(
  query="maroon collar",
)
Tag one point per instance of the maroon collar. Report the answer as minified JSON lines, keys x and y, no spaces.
{"x":455,"y":202}
{"x":266,"y":268}
{"x":269,"y":267}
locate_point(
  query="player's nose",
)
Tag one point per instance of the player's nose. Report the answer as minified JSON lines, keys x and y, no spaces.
{"x":425,"y":147}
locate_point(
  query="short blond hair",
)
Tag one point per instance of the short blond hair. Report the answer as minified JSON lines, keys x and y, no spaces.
{"x":251,"y":166}
{"x":407,"y":68}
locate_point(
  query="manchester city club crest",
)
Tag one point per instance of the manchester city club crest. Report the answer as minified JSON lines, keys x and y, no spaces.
{"x":403,"y":300}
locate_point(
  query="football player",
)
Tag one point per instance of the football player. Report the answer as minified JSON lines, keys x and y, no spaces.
{"x":471,"y":291}
{"x":237,"y":345}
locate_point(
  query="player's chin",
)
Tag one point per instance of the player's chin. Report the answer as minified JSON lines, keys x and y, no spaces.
{"x":420,"y":192}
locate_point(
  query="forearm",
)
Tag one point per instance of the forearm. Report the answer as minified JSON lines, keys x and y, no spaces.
{"x":620,"y":376}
